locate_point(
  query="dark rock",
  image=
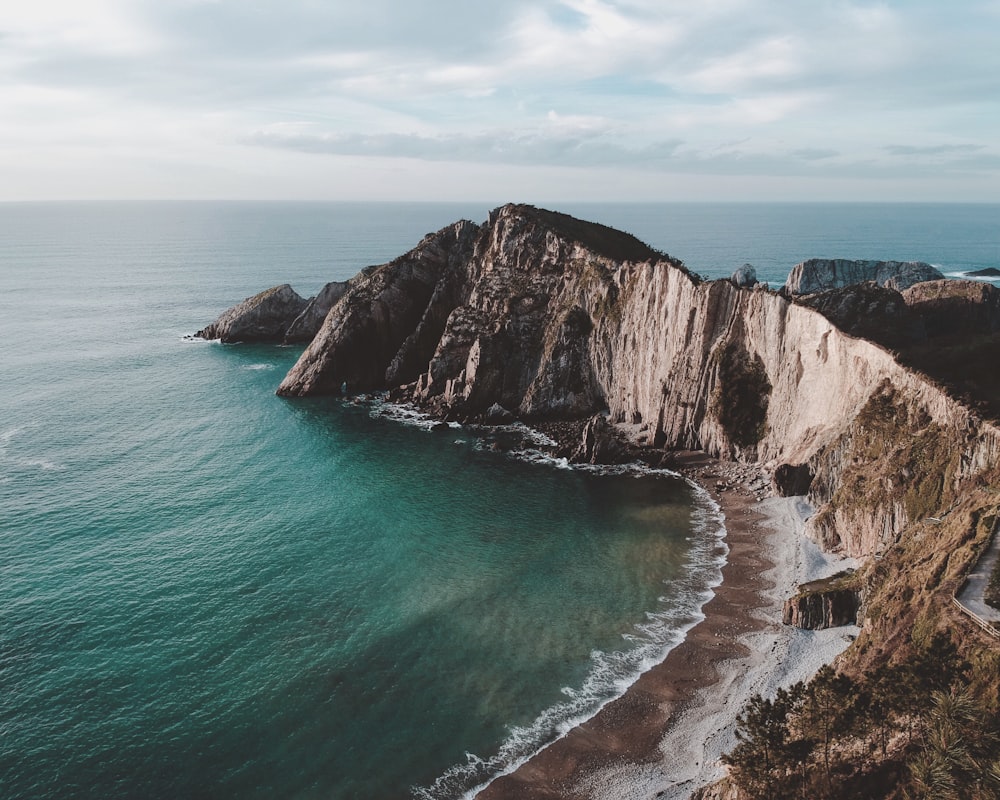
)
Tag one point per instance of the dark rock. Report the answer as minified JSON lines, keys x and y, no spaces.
{"x":745,"y":277}
{"x":821,"y":274}
{"x":791,"y":480}
{"x":989,"y":272}
{"x":381,"y":317}
{"x":869,"y":311}
{"x":307,"y":324}
{"x":496,"y":414}
{"x":816,"y":610}
{"x":955,"y":308}
{"x":265,"y":317}
{"x":600,"y":443}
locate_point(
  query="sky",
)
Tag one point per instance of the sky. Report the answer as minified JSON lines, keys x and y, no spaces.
{"x":582,"y":100}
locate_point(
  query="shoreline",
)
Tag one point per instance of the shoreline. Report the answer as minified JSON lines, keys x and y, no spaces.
{"x":664,"y":736}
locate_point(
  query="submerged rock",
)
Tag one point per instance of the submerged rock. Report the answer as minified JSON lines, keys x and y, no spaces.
{"x":265,"y":317}
{"x":821,"y":274}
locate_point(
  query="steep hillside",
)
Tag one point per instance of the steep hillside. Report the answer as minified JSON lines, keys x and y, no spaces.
{"x":552,"y":318}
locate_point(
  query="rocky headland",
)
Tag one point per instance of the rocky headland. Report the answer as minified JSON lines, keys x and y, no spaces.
{"x":859,"y":385}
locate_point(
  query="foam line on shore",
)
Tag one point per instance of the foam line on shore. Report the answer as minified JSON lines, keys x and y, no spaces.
{"x":777,"y":656}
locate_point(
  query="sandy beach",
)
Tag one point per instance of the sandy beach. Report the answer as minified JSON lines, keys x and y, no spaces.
{"x":664,"y":737}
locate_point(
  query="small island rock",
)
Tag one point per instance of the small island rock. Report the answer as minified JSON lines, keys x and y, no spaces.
{"x":265,"y":317}
{"x":821,"y":274}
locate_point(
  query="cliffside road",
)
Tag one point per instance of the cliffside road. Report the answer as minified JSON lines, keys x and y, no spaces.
{"x":971,"y":597}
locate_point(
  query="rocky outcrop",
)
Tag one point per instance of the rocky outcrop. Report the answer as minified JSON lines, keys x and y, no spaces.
{"x":955,"y":308}
{"x":989,"y":272}
{"x":600,"y":443}
{"x":383,"y":330}
{"x":821,"y":274}
{"x":871,"y":312}
{"x":307,"y":324}
{"x":823,"y":604}
{"x":551,"y":318}
{"x":265,"y":317}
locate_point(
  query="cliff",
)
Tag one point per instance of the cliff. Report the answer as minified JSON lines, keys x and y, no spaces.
{"x":876,"y":402}
{"x":553,"y":318}
{"x":821,"y":274}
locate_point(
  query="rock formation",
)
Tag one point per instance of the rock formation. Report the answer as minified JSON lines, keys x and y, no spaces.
{"x":541,"y":316}
{"x":307,"y":324}
{"x":829,"y":603}
{"x":265,"y":317}
{"x":745,"y":277}
{"x":549,"y":317}
{"x":821,"y":274}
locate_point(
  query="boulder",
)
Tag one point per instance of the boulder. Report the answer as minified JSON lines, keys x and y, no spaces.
{"x":600,"y":443}
{"x":821,"y":274}
{"x":745,"y":277}
{"x":496,"y":414}
{"x":265,"y":317}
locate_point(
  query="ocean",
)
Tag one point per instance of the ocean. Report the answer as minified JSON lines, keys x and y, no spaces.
{"x":210,"y":591}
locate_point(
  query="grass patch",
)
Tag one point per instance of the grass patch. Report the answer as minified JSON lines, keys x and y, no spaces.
{"x":742,"y":396}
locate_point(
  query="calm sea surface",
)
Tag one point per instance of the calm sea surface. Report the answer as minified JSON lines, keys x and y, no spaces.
{"x":210,"y":591}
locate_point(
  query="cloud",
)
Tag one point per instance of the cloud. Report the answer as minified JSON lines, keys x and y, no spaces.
{"x":933,"y":150}
{"x":834,"y":85}
{"x":576,"y":147}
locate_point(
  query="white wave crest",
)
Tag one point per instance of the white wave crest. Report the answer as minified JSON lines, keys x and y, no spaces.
{"x":611,"y":674}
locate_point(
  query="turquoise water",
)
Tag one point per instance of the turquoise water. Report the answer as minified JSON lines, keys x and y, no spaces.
{"x":210,"y":591}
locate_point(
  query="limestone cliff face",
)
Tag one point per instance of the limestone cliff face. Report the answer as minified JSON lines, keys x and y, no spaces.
{"x":550,"y":317}
{"x":821,"y":274}
{"x":265,"y":317}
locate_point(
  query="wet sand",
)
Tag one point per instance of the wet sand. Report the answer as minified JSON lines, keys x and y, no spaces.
{"x":664,"y":736}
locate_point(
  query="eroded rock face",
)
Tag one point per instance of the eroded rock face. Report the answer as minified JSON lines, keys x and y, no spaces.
{"x":955,"y":308}
{"x":388,"y":321}
{"x":553,"y":318}
{"x":791,"y":480}
{"x":307,"y":324}
{"x":600,"y":443}
{"x":822,"y":609}
{"x":821,"y":274}
{"x":870,"y":311}
{"x":265,"y":317}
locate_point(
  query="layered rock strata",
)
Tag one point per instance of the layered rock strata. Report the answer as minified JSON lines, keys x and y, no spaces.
{"x":829,"y":603}
{"x":552,"y":318}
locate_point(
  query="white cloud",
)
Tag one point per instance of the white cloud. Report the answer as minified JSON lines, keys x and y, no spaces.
{"x":593,"y":85}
